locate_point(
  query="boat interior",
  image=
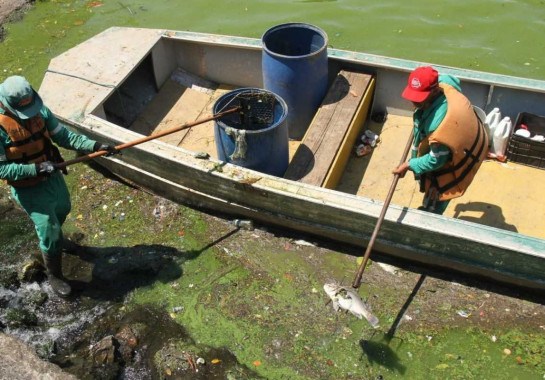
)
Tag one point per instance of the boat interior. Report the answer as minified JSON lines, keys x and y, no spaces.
{"x":157,"y":96}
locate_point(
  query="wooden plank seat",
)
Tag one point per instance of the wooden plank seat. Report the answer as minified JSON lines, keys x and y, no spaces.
{"x":328,"y":142}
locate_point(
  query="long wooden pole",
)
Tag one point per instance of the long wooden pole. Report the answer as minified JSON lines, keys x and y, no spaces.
{"x":129,"y":144}
{"x":359,"y":274}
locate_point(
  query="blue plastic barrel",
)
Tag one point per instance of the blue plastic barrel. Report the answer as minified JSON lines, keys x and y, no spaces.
{"x":294,"y":64}
{"x":259,"y":146}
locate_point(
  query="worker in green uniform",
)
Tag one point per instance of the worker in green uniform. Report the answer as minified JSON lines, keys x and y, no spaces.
{"x":28,"y":164}
{"x":448,"y":145}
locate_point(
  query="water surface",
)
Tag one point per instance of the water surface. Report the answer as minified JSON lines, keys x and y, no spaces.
{"x":490,"y":35}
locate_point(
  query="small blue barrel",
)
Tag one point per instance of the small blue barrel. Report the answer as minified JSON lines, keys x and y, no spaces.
{"x":294,"y":65}
{"x":257,"y":140}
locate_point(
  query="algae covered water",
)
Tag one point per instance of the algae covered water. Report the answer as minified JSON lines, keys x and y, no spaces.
{"x":253,"y":298}
{"x":491,"y":35}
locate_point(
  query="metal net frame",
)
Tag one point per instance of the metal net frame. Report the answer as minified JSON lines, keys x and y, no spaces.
{"x":256,"y":110}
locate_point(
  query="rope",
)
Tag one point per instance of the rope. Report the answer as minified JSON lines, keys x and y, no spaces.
{"x":240,"y":143}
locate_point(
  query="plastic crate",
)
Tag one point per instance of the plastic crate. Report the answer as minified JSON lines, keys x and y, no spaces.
{"x":524,"y":150}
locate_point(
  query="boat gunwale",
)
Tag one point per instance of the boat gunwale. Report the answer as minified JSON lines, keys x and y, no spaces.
{"x":364,"y":206}
{"x":373,"y":60}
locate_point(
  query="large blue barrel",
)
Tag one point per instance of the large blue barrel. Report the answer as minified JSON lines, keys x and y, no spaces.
{"x":252,"y":143}
{"x":294,"y":64}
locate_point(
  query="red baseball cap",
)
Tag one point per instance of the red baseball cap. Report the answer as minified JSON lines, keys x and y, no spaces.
{"x":421,"y":82}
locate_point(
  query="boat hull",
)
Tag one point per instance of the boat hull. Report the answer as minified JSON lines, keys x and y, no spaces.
{"x":178,"y":174}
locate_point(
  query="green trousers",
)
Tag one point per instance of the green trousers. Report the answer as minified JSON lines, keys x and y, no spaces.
{"x":47,"y":204}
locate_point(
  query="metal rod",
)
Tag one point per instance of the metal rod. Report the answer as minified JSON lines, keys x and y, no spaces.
{"x":357,"y":279}
{"x":129,"y":144}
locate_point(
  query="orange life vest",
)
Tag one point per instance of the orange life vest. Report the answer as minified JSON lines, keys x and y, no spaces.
{"x":29,"y":144}
{"x":464,"y":134}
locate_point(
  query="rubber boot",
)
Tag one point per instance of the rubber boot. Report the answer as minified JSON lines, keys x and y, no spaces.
{"x":53,"y":266}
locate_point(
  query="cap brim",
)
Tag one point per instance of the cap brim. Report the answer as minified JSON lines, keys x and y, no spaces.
{"x":415,"y":96}
{"x":28,"y":111}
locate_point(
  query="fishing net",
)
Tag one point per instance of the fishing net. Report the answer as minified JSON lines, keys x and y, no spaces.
{"x":256,"y":110}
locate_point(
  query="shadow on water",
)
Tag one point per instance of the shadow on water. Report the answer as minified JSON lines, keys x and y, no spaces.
{"x":194,"y":253}
{"x":378,"y":349}
{"x":112,"y":272}
{"x":391,"y":332}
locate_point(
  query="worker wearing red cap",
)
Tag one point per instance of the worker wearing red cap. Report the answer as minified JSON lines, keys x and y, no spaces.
{"x":449,"y":139}
{"x":28,"y":163}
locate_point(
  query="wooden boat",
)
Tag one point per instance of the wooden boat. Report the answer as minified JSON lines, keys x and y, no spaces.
{"x":125,"y":83}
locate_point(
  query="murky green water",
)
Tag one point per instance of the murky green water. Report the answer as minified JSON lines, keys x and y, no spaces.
{"x":489,"y":35}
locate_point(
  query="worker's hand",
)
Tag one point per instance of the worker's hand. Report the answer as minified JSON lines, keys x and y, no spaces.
{"x":401,"y":169}
{"x":45,"y":168}
{"x":107,"y":147}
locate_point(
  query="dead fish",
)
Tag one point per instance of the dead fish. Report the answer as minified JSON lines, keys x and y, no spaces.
{"x":346,"y":298}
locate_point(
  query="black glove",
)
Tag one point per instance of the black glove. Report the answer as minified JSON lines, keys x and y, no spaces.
{"x":107,"y":147}
{"x":45,"y":168}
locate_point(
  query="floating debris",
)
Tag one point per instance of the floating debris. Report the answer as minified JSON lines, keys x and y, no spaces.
{"x":390,"y":269}
{"x":243,"y":224}
{"x":303,"y":242}
{"x":463,"y":314}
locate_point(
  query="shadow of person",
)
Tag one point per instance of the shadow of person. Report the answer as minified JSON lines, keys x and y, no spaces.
{"x":483,"y":213}
{"x":110,"y":273}
{"x":378,"y":351}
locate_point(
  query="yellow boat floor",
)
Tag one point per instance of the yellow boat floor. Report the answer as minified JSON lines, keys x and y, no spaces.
{"x":503,"y":195}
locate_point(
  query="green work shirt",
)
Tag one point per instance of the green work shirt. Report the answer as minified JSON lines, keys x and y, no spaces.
{"x":59,"y":134}
{"x":425,"y":123}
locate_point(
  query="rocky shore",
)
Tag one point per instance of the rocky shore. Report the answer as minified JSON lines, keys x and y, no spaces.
{"x":18,"y":361}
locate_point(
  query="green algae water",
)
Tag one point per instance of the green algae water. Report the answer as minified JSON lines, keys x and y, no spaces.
{"x":491,"y":35}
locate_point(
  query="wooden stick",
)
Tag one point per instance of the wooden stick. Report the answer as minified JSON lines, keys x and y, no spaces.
{"x":357,"y":279}
{"x":130,"y":144}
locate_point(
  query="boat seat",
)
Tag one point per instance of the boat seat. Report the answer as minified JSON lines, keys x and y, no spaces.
{"x":327,"y":144}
